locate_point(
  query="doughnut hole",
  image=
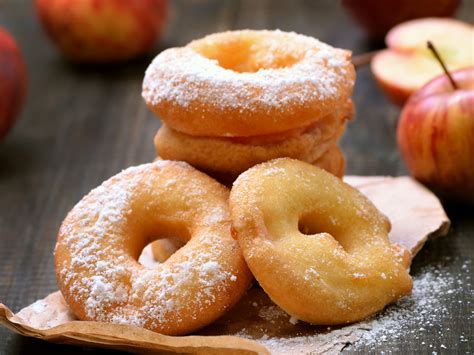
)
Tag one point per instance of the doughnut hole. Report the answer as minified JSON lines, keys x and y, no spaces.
{"x":159,"y":251}
{"x":162,"y":249}
{"x":317,"y":224}
{"x":249,"y":53}
{"x":162,"y":235}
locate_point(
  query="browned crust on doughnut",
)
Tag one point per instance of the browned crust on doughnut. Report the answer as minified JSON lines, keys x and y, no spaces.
{"x":332,"y":161}
{"x":201,"y":90}
{"x":232,"y":157}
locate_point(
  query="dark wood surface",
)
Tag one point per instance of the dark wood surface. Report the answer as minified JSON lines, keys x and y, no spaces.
{"x":81,"y":125}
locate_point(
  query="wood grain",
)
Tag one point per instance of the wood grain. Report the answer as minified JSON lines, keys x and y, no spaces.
{"x":83,"y":124}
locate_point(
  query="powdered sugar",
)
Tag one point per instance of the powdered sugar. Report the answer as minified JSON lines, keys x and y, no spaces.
{"x":413,"y":316}
{"x":274,"y":170}
{"x":39,"y":306}
{"x":182,"y":76}
{"x":293,"y":320}
{"x":425,"y":307}
{"x":271,"y":313}
{"x":310,"y":274}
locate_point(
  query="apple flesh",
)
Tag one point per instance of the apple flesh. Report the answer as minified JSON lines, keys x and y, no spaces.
{"x":436,"y":135}
{"x":376,"y":17}
{"x":12,"y":81}
{"x":407,"y":64}
{"x":102,"y":31}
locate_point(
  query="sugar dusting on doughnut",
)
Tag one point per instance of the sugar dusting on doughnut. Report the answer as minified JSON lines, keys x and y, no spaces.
{"x":114,"y":287}
{"x":185,"y":82}
{"x":317,"y":246}
{"x":270,"y":81}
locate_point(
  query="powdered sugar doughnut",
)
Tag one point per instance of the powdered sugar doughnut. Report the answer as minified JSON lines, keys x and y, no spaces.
{"x":102,"y":237}
{"x":317,"y":246}
{"x":247,"y":83}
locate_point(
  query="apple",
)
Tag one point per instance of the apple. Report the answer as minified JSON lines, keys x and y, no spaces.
{"x":436,"y":135}
{"x":12,"y":81}
{"x":376,"y":17}
{"x":407,"y":64}
{"x":102,"y":31}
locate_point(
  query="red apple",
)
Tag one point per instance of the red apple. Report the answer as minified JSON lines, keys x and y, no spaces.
{"x":407,"y":64}
{"x":12,"y":81}
{"x":101,"y":31}
{"x":436,"y":135}
{"x":376,"y":17}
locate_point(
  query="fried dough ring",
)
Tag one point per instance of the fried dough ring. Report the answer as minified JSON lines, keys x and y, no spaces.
{"x":332,"y":161}
{"x":247,"y":83}
{"x":341,"y":269}
{"x":102,"y":237}
{"x":232,"y":156}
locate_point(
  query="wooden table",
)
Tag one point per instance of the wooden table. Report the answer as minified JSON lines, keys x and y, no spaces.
{"x":82,"y":125}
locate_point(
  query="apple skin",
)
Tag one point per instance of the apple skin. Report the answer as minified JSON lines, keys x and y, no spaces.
{"x":13,"y":78}
{"x":103,"y":31}
{"x":376,"y":17}
{"x":436,"y":135}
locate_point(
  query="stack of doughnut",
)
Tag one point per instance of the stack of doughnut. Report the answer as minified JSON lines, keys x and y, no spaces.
{"x":234,"y":99}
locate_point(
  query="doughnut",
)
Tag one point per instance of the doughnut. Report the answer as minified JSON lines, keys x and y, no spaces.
{"x":232,"y":156}
{"x":247,"y":83}
{"x":332,"y":161}
{"x":223,"y":156}
{"x":317,"y":246}
{"x":102,"y":237}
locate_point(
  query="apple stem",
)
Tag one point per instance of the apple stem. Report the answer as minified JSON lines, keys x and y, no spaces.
{"x":441,"y":61}
{"x":363,"y":59}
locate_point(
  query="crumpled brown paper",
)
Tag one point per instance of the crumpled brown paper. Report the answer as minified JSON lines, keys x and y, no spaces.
{"x":255,"y":325}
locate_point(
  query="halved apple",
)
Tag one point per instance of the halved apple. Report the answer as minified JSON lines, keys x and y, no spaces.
{"x":407,"y":64}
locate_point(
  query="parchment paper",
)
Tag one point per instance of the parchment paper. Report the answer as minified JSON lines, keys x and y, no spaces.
{"x":255,"y":323}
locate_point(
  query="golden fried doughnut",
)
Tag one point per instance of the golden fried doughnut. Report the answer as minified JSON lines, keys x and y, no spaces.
{"x":232,"y":156}
{"x":247,"y":83}
{"x":317,"y":246}
{"x":332,"y":161}
{"x":102,"y":237}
